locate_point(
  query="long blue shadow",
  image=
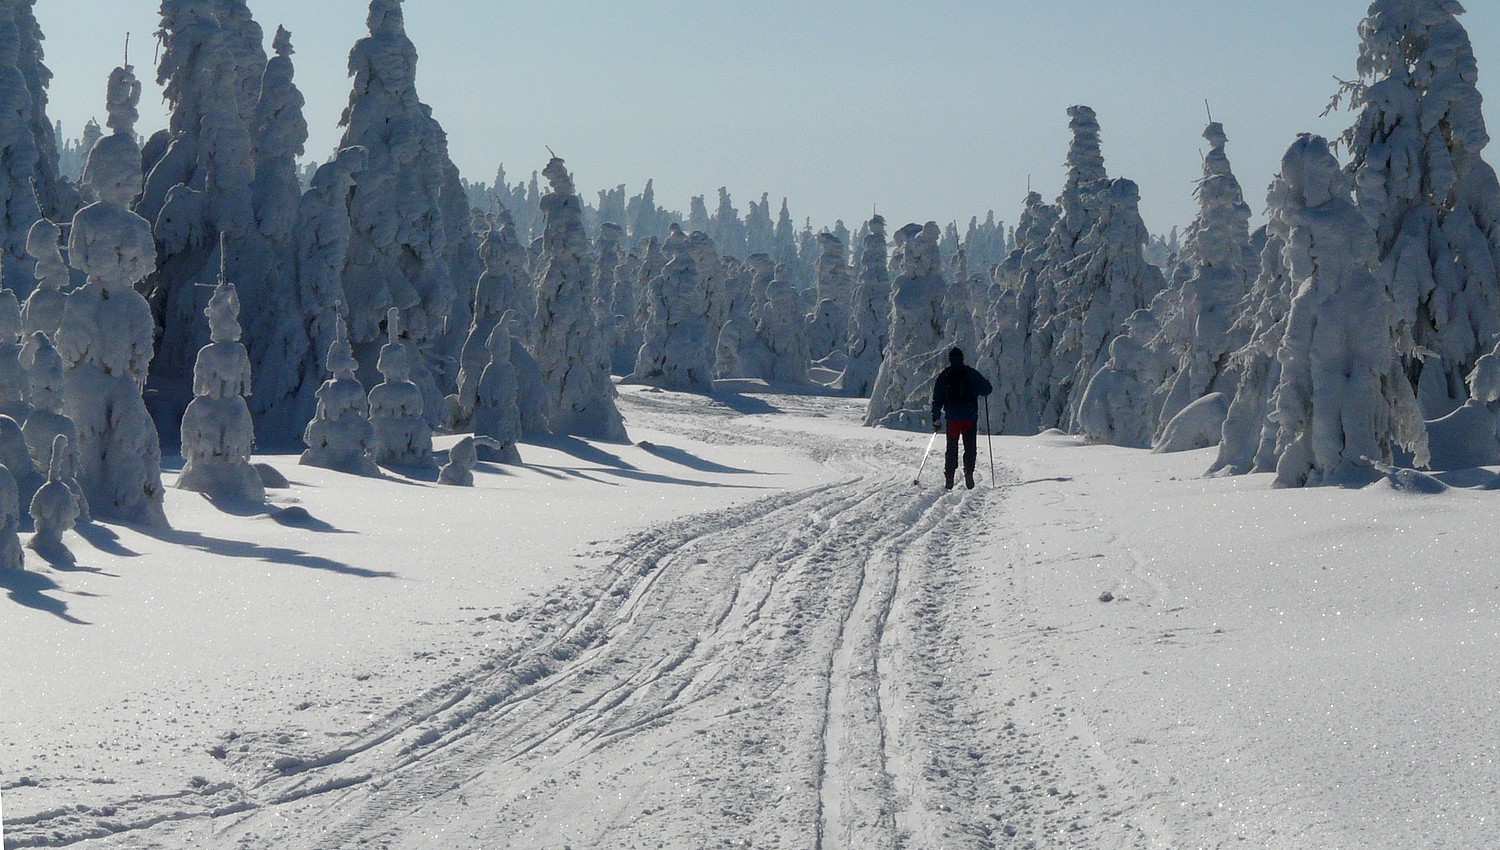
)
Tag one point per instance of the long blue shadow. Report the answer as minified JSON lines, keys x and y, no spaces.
{"x":30,"y":589}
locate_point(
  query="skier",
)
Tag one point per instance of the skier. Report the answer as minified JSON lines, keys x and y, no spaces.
{"x":955,"y":396}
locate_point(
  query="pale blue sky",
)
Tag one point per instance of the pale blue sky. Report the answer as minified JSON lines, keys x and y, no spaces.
{"x":935,"y":110}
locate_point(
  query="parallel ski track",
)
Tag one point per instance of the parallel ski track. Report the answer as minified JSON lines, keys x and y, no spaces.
{"x":761,"y":636}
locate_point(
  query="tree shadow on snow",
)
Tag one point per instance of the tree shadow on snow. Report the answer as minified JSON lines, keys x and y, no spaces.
{"x":745,"y":404}
{"x":104,"y":539}
{"x":269,"y":554}
{"x":690,"y":460}
{"x":292,"y":517}
{"x":582,"y":450}
{"x":30,"y":589}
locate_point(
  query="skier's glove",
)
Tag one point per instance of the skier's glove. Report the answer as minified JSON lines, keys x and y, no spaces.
{"x":937,"y":425}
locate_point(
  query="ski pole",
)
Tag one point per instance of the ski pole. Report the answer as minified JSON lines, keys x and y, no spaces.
{"x":989,"y":439}
{"x":930,"y":443}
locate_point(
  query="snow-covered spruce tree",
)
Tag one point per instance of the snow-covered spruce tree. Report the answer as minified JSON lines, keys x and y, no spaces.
{"x":1056,"y":297}
{"x":676,"y":354}
{"x":399,"y":252}
{"x":607,"y":249}
{"x":278,"y":340}
{"x":502,"y":288}
{"x":54,"y":508}
{"x":625,"y":334}
{"x":1120,"y":405}
{"x":781,"y":332}
{"x":496,"y":414}
{"x":726,"y":228}
{"x":760,"y":233}
{"x":197,"y":194}
{"x":738,"y":329}
{"x":959,"y":304}
{"x":1416,"y":153}
{"x":828,"y":324}
{"x":55,"y":194}
{"x":875,"y":273}
{"x":1105,"y":284}
{"x":402,"y":436}
{"x":1248,"y":443}
{"x":44,"y":306}
{"x":901,"y":395}
{"x":705,"y":256}
{"x":14,"y":384}
{"x":323,"y":234}
{"x":217,"y":433}
{"x":784,"y":248}
{"x":19,"y":155}
{"x":568,"y":346}
{"x":244,"y":39}
{"x":1343,"y":399}
{"x":105,"y":338}
{"x":1219,"y":267}
{"x":47,"y":421}
{"x":340,"y":436}
{"x":870,"y":325}
{"x":462,"y":458}
{"x":11,"y":556}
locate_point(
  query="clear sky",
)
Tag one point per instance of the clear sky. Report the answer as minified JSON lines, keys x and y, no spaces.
{"x":935,"y":110}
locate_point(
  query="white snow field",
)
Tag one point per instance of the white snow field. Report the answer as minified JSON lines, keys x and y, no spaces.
{"x":750,"y":629}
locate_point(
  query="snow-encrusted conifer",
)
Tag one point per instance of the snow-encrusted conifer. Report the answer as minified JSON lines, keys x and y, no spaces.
{"x":278,"y":338}
{"x":1343,"y":400}
{"x":496,"y":414}
{"x":726,"y":228}
{"x":399,"y":253}
{"x":14,"y":385}
{"x":44,"y":306}
{"x":917,"y":347}
{"x":1249,"y":435}
{"x":502,"y":289}
{"x":402,"y":435}
{"x":105,"y":338}
{"x":781,"y":330}
{"x":1416,"y":153}
{"x":462,"y":457}
{"x":340,"y":436}
{"x":217,"y":433}
{"x":19,"y":154}
{"x":323,"y":233}
{"x":828,"y":325}
{"x":568,"y":345}
{"x":11,"y":556}
{"x":196,"y":192}
{"x":1119,"y":406}
{"x":784,"y":249}
{"x":676,"y":354}
{"x":55,"y":194}
{"x":870,"y":324}
{"x":760,"y":233}
{"x":47,"y":421}
{"x":1218,"y":262}
{"x":54,"y":508}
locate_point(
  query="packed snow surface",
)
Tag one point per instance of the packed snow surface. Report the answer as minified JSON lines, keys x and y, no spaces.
{"x":748,"y":629}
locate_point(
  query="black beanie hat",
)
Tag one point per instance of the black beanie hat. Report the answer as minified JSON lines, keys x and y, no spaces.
{"x":955,"y":355}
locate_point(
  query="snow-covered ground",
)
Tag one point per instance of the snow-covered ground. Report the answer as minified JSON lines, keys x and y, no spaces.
{"x":750,"y":630}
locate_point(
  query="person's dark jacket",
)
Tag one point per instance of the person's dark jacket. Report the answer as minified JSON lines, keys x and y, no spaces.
{"x":956,"y":393}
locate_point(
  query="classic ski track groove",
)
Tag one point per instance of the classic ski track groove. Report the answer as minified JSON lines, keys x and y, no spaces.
{"x":715,"y":620}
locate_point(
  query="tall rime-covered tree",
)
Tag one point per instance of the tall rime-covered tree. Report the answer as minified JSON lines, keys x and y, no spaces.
{"x":1342,"y":399}
{"x":19,"y":154}
{"x":569,"y":349}
{"x":58,"y":198}
{"x":1420,"y":178}
{"x":400,"y":248}
{"x":106,"y":332}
